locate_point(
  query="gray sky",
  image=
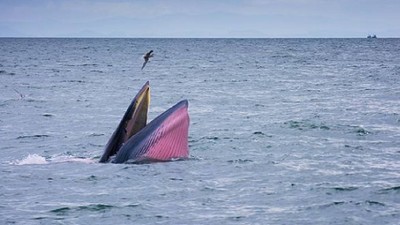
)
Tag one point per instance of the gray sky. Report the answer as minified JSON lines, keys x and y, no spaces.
{"x":201,"y":18}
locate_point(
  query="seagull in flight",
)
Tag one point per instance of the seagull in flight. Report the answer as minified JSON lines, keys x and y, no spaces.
{"x":147,"y":58}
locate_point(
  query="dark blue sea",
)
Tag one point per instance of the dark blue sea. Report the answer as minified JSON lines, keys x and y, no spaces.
{"x":282,"y":131}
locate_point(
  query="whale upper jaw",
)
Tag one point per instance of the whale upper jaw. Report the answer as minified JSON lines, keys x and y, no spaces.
{"x":163,"y":139}
{"x":134,"y":119}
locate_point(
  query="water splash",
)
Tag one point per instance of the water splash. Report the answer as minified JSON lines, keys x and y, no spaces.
{"x":31,"y":160}
{"x":34,"y":159}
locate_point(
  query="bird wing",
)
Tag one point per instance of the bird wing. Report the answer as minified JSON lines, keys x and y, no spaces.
{"x":144,"y":64}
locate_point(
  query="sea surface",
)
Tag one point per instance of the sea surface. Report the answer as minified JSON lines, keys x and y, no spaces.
{"x":282,"y":131}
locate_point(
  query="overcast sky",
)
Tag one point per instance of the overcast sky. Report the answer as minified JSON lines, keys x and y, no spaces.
{"x":201,"y":18}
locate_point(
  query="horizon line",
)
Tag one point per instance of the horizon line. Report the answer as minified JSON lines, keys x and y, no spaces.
{"x":166,"y":37}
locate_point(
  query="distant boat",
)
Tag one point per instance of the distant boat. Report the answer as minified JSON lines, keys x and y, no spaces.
{"x":371,"y":36}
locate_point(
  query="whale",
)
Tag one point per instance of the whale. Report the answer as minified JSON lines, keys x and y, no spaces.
{"x":134,"y":140}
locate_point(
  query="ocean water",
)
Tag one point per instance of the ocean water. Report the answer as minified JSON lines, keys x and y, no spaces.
{"x":282,"y":131}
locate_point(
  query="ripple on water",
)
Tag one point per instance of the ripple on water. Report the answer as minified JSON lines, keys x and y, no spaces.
{"x":367,"y":203}
{"x":306,"y":125}
{"x":35,"y":136}
{"x":240,"y":161}
{"x":73,"y":81}
{"x":394,"y":189}
{"x":91,"y":207}
{"x":100,"y":208}
{"x":47,"y":115}
{"x":339,"y":189}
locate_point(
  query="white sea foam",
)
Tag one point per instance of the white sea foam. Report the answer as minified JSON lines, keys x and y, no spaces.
{"x":31,"y":160}
{"x":62,"y":159}
{"x":34,"y":159}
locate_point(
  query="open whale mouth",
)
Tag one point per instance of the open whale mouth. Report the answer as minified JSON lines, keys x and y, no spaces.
{"x":163,"y":139}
